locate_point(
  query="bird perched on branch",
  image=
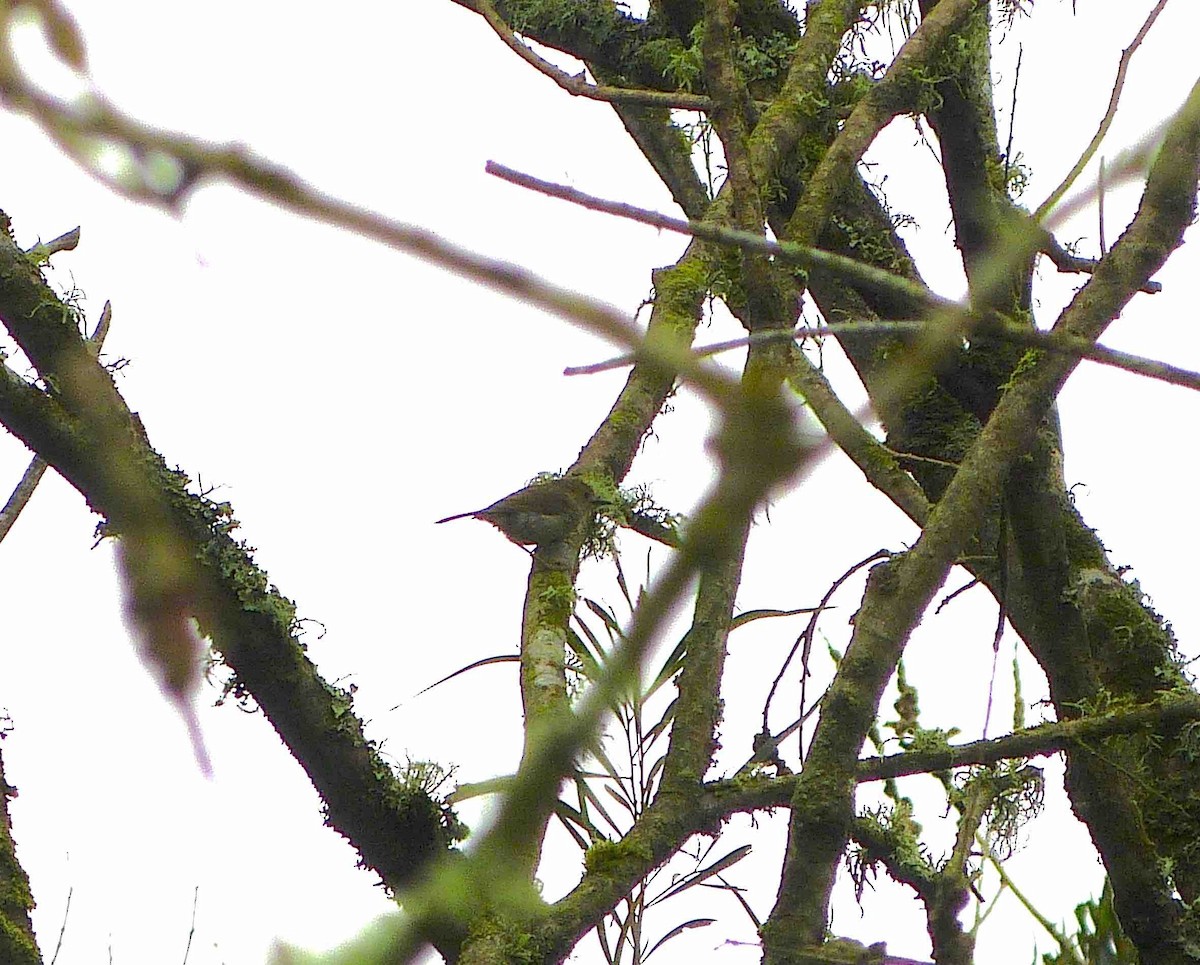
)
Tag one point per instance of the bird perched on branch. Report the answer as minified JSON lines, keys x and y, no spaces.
{"x":542,"y":512}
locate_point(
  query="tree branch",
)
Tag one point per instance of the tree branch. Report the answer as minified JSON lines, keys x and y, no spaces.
{"x":577,"y":84}
{"x":396,"y":828}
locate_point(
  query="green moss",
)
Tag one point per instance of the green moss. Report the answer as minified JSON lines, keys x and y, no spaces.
{"x":16,"y":900}
{"x":1136,"y":630}
{"x":895,"y":834}
{"x":933,"y":424}
{"x":880,"y":460}
{"x":1084,"y":549}
{"x":15,"y":895}
{"x":866,"y":242}
{"x":724,"y":277}
{"x":1132,"y":646}
{"x":678,"y":290}
{"x":604,"y":488}
{"x":1007,"y":176}
{"x":500,"y":939}
{"x":211,"y":525}
{"x":965,"y":55}
{"x":421,"y":796}
{"x":849,"y":89}
{"x":16,"y":946}
{"x":612,"y":858}
{"x":555,"y":596}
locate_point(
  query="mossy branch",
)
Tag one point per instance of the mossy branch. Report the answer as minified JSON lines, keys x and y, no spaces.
{"x":397,"y":829}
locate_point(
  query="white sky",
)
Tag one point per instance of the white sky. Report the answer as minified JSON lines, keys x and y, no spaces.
{"x":343,"y":396}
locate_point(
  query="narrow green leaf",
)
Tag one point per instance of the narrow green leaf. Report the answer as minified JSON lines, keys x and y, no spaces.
{"x":670,"y":668}
{"x":678,"y":930}
{"x":605,"y":948}
{"x":594,"y":800}
{"x":572,"y":820}
{"x":624,"y":587}
{"x":737,"y":893}
{"x":653,"y":733}
{"x":494,"y":785}
{"x":749,"y":616}
{"x":652,"y":774}
{"x":734,"y":856}
{"x":591,"y":663}
{"x":610,"y":621}
{"x":486,"y":661}
{"x":622,"y":799}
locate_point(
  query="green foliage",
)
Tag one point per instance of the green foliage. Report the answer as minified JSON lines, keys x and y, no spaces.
{"x":1008,"y":176}
{"x":595,"y":20}
{"x":763,"y":61}
{"x":670,"y":59}
{"x":613,"y":506}
{"x":760,"y":61}
{"x":851,"y":87}
{"x":557,"y":597}
{"x":895,"y":843}
{"x":868,"y":244}
{"x":685,"y":65}
{"x":430,"y":780}
{"x":1017,"y":794}
{"x":1100,"y":939}
{"x":811,"y":103}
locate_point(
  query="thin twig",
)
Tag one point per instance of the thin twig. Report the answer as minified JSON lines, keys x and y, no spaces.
{"x":63,"y":930}
{"x":1105,"y":122}
{"x":1032,"y":337}
{"x":1100,"y":208}
{"x":1012,"y":115}
{"x":950,"y":597}
{"x":802,"y":255}
{"x":21,"y":494}
{"x":77,"y":126}
{"x":1067,"y":262}
{"x":856,"y":271}
{"x":805,"y":640}
{"x":42,"y":251}
{"x":192,"y":931}
{"x":913,"y":457}
{"x":1066,"y":947}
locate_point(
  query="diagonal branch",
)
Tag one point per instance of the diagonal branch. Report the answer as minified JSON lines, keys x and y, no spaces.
{"x":23,"y":491}
{"x":898,"y":592}
{"x":1105,"y":122}
{"x":577,"y":85}
{"x":396,"y":828}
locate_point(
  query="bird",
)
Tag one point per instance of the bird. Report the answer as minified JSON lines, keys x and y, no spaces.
{"x":542,"y":512}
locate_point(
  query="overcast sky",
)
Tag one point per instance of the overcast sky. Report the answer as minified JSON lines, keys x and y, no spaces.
{"x":343,"y":397}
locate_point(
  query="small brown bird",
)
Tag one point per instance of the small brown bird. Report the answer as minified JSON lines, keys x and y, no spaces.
{"x":543,"y":512}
